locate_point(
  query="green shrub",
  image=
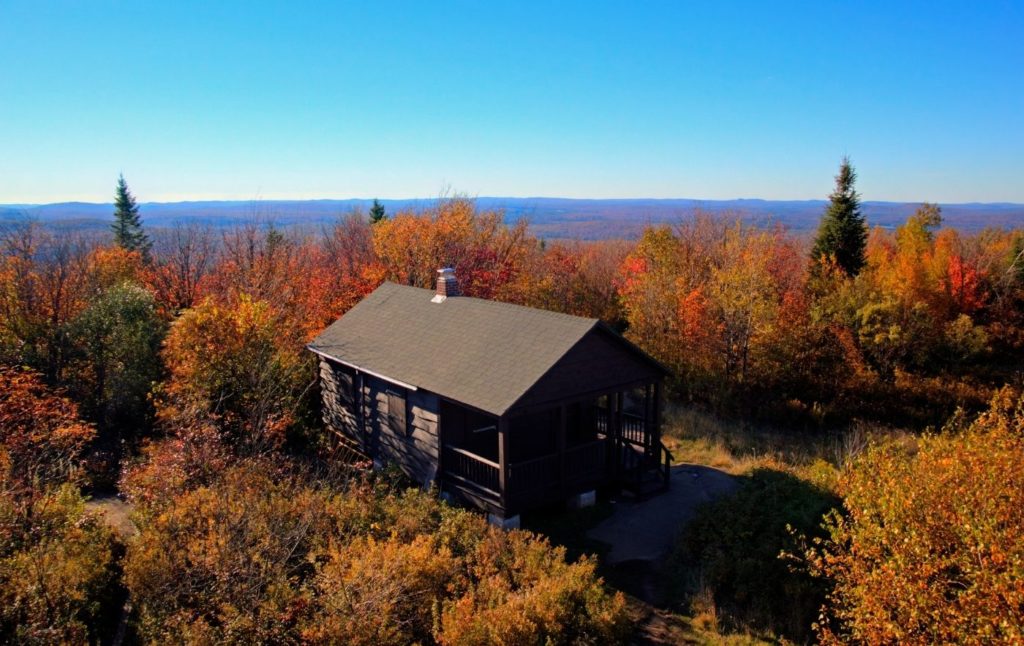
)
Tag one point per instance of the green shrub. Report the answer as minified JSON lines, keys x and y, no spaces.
{"x":731,"y":551}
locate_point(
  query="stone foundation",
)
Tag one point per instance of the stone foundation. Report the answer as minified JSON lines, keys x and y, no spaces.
{"x":585,"y":499}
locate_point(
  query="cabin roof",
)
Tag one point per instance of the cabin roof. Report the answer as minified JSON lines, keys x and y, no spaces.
{"x":483,"y":353}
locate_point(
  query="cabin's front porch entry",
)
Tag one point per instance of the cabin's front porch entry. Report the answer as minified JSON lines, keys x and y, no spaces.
{"x":556,"y":452}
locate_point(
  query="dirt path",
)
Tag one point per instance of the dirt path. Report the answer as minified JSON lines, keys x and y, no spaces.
{"x":116,"y":513}
{"x":641,"y":535}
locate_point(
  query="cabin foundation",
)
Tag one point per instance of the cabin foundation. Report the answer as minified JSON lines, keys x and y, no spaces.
{"x":512,"y":522}
{"x":581,"y":500}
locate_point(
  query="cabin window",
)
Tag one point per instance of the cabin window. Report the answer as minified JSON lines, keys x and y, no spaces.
{"x":398,"y":411}
{"x":345,"y":381}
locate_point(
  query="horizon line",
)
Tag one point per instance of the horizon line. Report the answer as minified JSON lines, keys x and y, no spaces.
{"x":495,"y":197}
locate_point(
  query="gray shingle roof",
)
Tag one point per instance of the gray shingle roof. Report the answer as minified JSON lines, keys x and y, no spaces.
{"x":482,"y":353}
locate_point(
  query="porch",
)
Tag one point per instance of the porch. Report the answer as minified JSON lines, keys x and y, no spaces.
{"x":536,"y":457}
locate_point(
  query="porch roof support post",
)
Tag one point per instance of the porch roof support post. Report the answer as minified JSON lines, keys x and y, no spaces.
{"x":656,"y":426}
{"x":562,"y":422}
{"x":616,"y":422}
{"x":503,"y":456}
{"x":648,"y":421}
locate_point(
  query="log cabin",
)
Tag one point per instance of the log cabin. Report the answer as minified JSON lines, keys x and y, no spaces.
{"x":505,"y":408}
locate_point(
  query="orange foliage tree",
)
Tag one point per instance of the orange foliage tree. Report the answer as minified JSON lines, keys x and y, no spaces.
{"x":486,"y":254}
{"x":182,"y":258}
{"x":930,"y":545}
{"x":707,"y":299}
{"x":56,"y":559}
{"x":239,"y":365}
{"x":574,"y":278}
{"x":46,"y":284}
{"x":40,"y":430}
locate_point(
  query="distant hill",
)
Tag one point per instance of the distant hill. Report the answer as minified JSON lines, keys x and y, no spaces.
{"x":549,"y":217}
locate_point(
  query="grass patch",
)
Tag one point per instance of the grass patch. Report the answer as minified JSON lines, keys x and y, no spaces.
{"x":739,"y":447}
{"x":725,"y":579}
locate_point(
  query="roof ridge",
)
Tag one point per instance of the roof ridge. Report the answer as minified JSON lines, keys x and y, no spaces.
{"x":497,"y":303}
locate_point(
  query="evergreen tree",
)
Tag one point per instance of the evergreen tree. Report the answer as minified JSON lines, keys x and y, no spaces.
{"x":127,"y":226}
{"x":377,"y":212}
{"x":843,"y":233}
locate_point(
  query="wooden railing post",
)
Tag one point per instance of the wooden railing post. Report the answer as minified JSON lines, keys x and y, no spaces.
{"x":615,"y":432}
{"x":503,"y":461}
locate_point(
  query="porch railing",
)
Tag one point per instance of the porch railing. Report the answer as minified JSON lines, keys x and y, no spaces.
{"x":473,"y":469}
{"x":633,"y":430}
{"x":535,"y":476}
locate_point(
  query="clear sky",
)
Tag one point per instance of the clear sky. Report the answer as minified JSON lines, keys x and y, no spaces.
{"x":710,"y":100}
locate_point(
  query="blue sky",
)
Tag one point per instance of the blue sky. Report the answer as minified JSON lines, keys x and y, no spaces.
{"x":711,"y":100}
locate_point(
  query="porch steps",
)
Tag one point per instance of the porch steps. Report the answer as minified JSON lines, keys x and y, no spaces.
{"x":643,"y":475}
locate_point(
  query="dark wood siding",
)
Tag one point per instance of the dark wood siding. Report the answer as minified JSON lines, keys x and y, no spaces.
{"x":597,"y":363}
{"x":393,"y":425}
{"x":340,"y":391}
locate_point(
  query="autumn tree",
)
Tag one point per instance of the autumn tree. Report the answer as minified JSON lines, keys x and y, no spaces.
{"x":40,"y":430}
{"x":706,"y":299}
{"x":343,"y":268}
{"x":127,"y":226}
{"x":261,"y":262}
{"x":842,"y":234}
{"x":573,"y":278}
{"x":239,"y":365}
{"x":183,"y":257}
{"x":46,"y":284}
{"x":117,"y":339}
{"x":56,"y":559}
{"x":921,"y":292}
{"x":485,"y":253}
{"x":57,"y":565}
{"x":929,"y":543}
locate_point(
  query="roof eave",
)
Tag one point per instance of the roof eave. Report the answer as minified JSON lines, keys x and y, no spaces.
{"x":349,"y":364}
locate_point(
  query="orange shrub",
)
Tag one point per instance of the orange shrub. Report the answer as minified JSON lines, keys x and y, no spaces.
{"x":263,"y":554}
{"x":40,"y":430}
{"x":930,"y":546}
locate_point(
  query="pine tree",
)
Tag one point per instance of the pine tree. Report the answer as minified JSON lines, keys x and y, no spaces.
{"x":127,"y":226}
{"x":377,"y":212}
{"x":843,"y":233}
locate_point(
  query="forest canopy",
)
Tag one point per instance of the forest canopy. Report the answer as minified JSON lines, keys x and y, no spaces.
{"x":169,"y":366}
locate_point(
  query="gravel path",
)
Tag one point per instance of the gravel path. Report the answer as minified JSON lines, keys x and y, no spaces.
{"x":646,"y":530}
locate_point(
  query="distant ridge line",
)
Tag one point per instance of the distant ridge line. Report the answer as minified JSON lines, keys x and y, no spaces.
{"x":549,"y":217}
